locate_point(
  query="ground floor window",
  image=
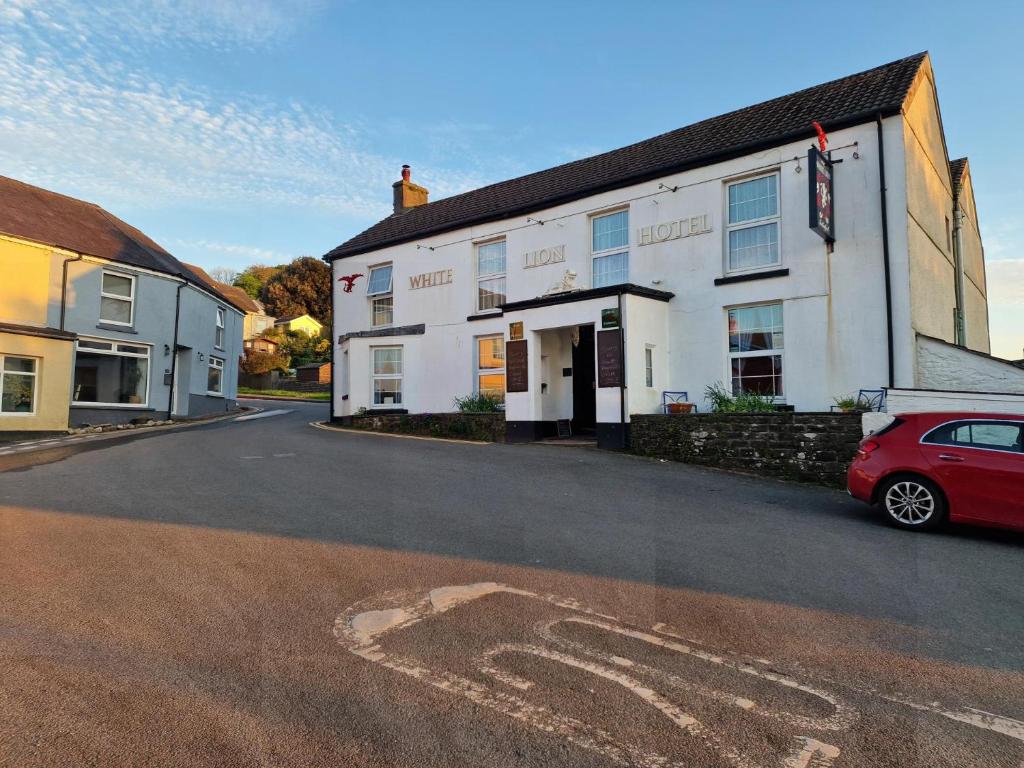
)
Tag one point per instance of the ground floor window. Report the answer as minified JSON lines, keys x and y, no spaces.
{"x":387,"y":376}
{"x":755,"y":349}
{"x":215,"y":376}
{"x":490,"y":366}
{"x":17,"y":384}
{"x":108,"y":373}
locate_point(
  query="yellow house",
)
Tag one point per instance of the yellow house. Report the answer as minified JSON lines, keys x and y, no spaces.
{"x":308,"y":325}
{"x":36,"y":359}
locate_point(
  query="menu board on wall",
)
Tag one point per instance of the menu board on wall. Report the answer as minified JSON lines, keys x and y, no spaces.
{"x":517,"y":372}
{"x":609,"y":358}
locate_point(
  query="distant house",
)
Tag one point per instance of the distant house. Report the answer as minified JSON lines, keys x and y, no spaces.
{"x":318,"y":373}
{"x":308,"y":325}
{"x":261,"y":345}
{"x":100,"y":324}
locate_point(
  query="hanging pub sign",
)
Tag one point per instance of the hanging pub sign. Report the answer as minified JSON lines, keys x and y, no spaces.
{"x":820,"y":194}
{"x":610,"y":318}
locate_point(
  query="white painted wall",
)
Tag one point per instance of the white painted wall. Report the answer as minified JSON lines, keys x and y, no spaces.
{"x":915,"y":400}
{"x":945,"y":366}
{"x":833,"y":304}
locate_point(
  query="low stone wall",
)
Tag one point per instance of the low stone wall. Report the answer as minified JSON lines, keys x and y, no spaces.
{"x":811,"y":447}
{"x":489,"y":427}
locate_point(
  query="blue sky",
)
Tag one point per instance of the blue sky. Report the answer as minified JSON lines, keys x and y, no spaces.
{"x":259,"y":130}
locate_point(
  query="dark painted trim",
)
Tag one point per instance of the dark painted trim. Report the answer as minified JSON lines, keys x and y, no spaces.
{"x":752,"y":276}
{"x":586,"y":295}
{"x":44,"y":333}
{"x":613,"y":437}
{"x":386,"y":411}
{"x":484,"y":316}
{"x":885,"y":252}
{"x":529,"y":431}
{"x":117,"y":328}
{"x":402,"y":330}
{"x":579,"y":194}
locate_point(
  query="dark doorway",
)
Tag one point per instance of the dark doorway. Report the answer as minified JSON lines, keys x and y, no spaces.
{"x":584,"y":383}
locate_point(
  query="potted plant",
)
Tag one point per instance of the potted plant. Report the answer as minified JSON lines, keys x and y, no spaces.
{"x":850,"y":404}
{"x":680,"y":407}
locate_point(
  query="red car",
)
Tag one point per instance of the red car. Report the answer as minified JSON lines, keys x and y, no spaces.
{"x":925,"y":468}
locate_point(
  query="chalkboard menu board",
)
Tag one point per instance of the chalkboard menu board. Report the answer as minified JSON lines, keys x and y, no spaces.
{"x":609,"y":358}
{"x":517,"y":372}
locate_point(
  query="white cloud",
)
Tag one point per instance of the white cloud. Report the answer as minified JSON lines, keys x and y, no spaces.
{"x":235,"y":253}
{"x":1006,"y":282}
{"x":117,"y":134}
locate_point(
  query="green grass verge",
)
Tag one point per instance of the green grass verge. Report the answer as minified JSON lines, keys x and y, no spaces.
{"x":285,"y":393}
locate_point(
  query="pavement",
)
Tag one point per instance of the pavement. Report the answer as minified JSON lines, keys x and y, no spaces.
{"x":257,"y":592}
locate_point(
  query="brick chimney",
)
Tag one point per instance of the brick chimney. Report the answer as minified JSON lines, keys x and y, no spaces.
{"x":407,"y":194}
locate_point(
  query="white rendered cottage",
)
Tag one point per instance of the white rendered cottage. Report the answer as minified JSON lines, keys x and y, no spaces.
{"x":587,"y":291}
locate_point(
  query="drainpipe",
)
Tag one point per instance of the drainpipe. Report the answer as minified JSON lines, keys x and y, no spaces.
{"x":622,"y":362}
{"x":885,"y":250}
{"x":174,"y":347}
{"x":959,"y":326}
{"x":64,"y":287}
{"x":330,"y":416}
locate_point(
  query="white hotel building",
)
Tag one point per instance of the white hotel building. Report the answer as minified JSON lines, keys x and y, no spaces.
{"x":700,"y":241}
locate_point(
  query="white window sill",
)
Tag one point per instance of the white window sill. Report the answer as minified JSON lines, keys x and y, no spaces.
{"x":214,"y":394}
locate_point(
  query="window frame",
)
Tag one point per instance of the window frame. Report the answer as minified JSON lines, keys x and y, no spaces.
{"x":374,"y":377}
{"x":729,"y":227}
{"x":649,"y":366}
{"x":1015,"y":422}
{"x":117,"y":297}
{"x":478,"y":371}
{"x":113,"y":352}
{"x":213,"y":360}
{"x":36,"y":365}
{"x":378,"y":296}
{"x":597,"y":254}
{"x":479,"y":278}
{"x":781,"y":353}
{"x":220,"y":328}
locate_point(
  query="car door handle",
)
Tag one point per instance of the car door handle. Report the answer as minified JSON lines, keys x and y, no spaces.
{"x":950,"y":457}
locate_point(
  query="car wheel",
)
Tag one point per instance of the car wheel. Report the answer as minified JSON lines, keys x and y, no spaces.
{"x":912,"y":502}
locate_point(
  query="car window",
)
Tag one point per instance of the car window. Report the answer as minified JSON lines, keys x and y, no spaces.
{"x":993,"y":435}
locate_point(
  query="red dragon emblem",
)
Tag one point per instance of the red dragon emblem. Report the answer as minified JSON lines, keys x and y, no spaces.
{"x":348,"y":280}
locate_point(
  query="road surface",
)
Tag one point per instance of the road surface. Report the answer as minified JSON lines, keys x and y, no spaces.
{"x":264,"y":593}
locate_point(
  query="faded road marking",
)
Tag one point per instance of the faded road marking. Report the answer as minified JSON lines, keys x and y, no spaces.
{"x":263,"y":415}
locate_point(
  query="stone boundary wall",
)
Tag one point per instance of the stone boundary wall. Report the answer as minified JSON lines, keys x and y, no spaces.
{"x":810,"y":447}
{"x":489,"y":427}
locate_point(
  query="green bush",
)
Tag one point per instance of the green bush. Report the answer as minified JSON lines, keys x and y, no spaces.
{"x":480,"y":402}
{"x":745,"y":402}
{"x":851,"y":403}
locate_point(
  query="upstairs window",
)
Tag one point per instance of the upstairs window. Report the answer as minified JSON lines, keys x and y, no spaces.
{"x":117,"y":299}
{"x":755,"y":349}
{"x":609,"y":249}
{"x":218,"y":339}
{"x":382,"y":302}
{"x":490,"y":276}
{"x":753,"y":223}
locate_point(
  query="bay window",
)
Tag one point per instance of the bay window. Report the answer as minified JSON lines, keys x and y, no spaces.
{"x":386,"y":376}
{"x":752,"y":223}
{"x":490,"y":276}
{"x":379,"y":291}
{"x":609,"y":248}
{"x":18,"y":384}
{"x":108,"y":373}
{"x":755,"y":349}
{"x":117,"y":298}
{"x":490,"y":366}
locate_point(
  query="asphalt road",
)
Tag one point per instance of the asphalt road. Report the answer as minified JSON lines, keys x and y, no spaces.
{"x":263,"y":593}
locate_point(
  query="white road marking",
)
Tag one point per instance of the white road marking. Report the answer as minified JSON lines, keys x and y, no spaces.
{"x":360,"y":630}
{"x":282,"y":455}
{"x":263,"y":415}
{"x":250,"y":457}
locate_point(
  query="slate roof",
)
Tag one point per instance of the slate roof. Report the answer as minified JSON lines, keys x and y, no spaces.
{"x":37,"y":214}
{"x":837,"y":104}
{"x":956,"y":170}
{"x":235,"y":296}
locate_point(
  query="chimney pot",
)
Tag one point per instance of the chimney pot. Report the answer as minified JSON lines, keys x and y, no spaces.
{"x":406,"y":173}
